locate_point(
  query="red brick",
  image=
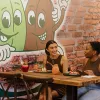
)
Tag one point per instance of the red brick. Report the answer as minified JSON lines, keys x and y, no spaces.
{"x":71,"y":55}
{"x":79,"y":47}
{"x":98,"y":39}
{"x":93,"y":22}
{"x":85,"y":3}
{"x":71,"y":27}
{"x":80,"y":54}
{"x":68,"y":34}
{"x":86,"y":27}
{"x":94,"y":34}
{"x":69,"y":13}
{"x":81,"y":60}
{"x":81,"y":9}
{"x":61,"y":34}
{"x":86,"y":34}
{"x":88,"y":16}
{"x":80,"y":41}
{"x":70,"y":62}
{"x":98,"y":0}
{"x":66,"y":42}
{"x":68,"y":19}
{"x":77,"y":20}
{"x":72,"y":8}
{"x":94,"y":10}
{"x":89,"y":4}
{"x":95,"y":16}
{"x":87,"y":21}
{"x":79,"y":14}
{"x":98,"y":4}
{"x":75,"y":2}
{"x":69,"y":49}
{"x":77,"y":34}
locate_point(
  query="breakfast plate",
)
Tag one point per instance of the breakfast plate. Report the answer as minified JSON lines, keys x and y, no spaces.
{"x":48,"y":71}
{"x":71,"y":74}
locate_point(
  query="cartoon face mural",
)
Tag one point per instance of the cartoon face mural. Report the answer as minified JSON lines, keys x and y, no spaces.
{"x":12,"y":24}
{"x":40,"y":24}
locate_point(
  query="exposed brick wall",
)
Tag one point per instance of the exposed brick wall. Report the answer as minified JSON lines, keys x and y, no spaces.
{"x":81,"y":26}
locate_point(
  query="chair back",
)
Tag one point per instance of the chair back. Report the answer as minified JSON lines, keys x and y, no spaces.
{"x":38,"y":79}
{"x":10,"y":75}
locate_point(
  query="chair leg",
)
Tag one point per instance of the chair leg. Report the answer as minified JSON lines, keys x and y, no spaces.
{"x":33,"y":97}
{"x":26,"y":87}
{"x":15,"y":89}
{"x":43,"y":86}
{"x":46,"y":91}
{"x":6,"y":91}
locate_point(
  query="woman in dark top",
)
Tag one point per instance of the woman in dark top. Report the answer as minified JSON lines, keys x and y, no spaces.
{"x":92,"y":67}
{"x":57,"y":64}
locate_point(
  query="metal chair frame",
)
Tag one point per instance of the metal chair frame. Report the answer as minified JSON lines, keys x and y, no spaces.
{"x":44,"y":84}
{"x":12,"y":79}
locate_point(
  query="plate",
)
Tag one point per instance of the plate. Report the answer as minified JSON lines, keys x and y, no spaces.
{"x":88,"y":76}
{"x":72,"y":74}
{"x":49,"y":71}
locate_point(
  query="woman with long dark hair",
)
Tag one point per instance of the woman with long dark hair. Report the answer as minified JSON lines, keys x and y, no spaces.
{"x":58,"y":64}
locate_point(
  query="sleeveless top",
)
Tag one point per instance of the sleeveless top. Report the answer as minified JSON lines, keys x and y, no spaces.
{"x":54,"y":61}
{"x":94,"y":66}
{"x":57,"y":87}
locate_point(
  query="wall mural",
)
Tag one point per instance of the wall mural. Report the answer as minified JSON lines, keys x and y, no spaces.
{"x":41,"y":22}
{"x":27,"y":25}
{"x":12,"y":28}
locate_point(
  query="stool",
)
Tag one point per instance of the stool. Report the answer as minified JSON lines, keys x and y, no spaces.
{"x":44,"y":84}
{"x":11,"y":78}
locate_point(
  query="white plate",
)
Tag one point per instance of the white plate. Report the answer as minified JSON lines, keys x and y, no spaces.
{"x":88,"y":76}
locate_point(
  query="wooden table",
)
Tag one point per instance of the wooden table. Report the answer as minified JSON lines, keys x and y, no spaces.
{"x":72,"y":82}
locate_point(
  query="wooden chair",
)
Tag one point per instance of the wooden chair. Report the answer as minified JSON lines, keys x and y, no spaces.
{"x":44,"y":84}
{"x":11,"y":79}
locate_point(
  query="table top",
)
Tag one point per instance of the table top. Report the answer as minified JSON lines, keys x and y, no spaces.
{"x":65,"y":80}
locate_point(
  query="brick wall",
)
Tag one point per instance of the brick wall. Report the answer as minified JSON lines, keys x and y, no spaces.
{"x":81,"y":26}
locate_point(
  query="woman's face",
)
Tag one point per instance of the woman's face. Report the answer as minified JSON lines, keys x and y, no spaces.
{"x":52,"y":49}
{"x":89,"y":52}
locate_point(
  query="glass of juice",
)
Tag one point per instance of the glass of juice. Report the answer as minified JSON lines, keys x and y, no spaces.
{"x":24,"y":68}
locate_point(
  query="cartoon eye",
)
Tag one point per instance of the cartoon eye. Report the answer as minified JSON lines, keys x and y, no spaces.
{"x":31,"y":17}
{"x":3,"y":38}
{"x":6,"y":19}
{"x":17,"y":17}
{"x":41,"y":20}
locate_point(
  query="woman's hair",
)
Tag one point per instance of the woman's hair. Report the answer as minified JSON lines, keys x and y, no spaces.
{"x":47,"y":45}
{"x":96,"y":46}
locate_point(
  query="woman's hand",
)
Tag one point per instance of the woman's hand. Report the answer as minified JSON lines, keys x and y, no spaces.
{"x":55,"y":69}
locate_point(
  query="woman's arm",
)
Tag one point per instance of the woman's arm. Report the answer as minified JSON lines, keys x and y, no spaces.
{"x":64,"y":62}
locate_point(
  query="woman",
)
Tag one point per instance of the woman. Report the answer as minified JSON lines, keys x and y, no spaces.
{"x":58,"y":64}
{"x":92,"y":67}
